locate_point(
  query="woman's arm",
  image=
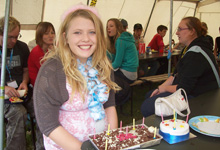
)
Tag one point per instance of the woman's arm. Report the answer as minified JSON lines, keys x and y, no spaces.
{"x":169,"y":81}
{"x":112,"y":117}
{"x":64,"y":139}
{"x":119,"y":56}
{"x":165,"y":87}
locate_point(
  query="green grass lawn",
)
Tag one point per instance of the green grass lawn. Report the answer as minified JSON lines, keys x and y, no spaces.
{"x":139,"y":93}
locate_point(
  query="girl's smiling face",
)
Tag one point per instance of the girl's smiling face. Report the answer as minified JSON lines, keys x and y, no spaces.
{"x":81,"y":38}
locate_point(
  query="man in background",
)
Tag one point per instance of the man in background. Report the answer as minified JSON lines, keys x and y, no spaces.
{"x":137,"y":34}
{"x":16,"y":78}
{"x":146,"y":68}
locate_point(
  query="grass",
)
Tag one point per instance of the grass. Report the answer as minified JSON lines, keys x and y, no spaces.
{"x":139,"y":93}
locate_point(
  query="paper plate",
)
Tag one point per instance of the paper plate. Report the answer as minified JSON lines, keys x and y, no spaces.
{"x":207,"y":125}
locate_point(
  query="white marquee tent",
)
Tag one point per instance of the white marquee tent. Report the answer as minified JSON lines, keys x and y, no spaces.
{"x":150,"y":13}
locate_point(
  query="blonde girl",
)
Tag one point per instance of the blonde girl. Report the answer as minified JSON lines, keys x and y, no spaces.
{"x":74,"y":91}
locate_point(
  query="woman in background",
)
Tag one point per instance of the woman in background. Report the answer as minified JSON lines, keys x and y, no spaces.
{"x":45,"y":35}
{"x":124,"y":56}
{"x":193,"y":72}
{"x":217,"y":46}
{"x":121,"y":46}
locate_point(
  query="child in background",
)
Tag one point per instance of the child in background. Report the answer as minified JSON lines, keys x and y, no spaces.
{"x":73,"y":93}
{"x":157,"y":42}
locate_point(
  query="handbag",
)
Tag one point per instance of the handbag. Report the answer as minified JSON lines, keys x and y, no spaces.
{"x":164,"y":106}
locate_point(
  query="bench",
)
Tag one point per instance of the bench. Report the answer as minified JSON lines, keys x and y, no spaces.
{"x":155,"y":78}
{"x":152,"y":79}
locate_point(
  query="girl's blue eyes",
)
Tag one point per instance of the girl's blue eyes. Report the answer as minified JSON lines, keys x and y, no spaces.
{"x":76,"y":32}
{"x":92,"y":32}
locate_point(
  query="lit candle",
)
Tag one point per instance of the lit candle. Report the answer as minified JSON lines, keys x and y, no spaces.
{"x":106,"y":144}
{"x":155,"y":132}
{"x":108,"y":129}
{"x":133,"y":124}
{"x":187,"y":117}
{"x":120,"y":127}
{"x":173,"y":114}
{"x":142,"y":123}
{"x":162,"y":116}
{"x":94,"y":134}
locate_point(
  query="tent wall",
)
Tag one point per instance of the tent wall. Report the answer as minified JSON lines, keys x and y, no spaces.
{"x":161,"y":15}
{"x":210,"y":14}
{"x":135,"y":11}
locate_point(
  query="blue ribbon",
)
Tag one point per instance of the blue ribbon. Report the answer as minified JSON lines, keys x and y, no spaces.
{"x":98,"y":92}
{"x":171,"y":139}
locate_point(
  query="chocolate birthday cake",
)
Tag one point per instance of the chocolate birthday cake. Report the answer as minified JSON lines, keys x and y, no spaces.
{"x":125,"y":138}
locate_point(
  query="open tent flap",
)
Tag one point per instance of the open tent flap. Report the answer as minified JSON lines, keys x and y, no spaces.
{"x":150,"y":13}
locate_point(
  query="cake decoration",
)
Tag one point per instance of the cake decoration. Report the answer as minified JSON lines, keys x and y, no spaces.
{"x":174,"y":130}
{"x":126,"y":138}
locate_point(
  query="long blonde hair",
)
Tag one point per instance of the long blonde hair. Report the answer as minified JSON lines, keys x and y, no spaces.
{"x":69,"y":61}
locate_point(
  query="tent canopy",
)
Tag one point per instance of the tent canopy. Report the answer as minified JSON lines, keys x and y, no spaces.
{"x":150,"y":13}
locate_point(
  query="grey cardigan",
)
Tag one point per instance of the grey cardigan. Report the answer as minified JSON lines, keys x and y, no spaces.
{"x":50,"y":93}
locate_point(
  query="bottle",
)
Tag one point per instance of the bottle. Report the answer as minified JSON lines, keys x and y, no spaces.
{"x":148,"y":51}
{"x":141,"y":46}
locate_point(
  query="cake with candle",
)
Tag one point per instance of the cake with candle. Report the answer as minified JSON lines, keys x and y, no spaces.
{"x":174,"y":130}
{"x":126,"y":138}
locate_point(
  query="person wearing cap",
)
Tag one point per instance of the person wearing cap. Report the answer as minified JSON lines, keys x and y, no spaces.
{"x":124,"y":24}
{"x":148,"y":68}
{"x":137,"y":34}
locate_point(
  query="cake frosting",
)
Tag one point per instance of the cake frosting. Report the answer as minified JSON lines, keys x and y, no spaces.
{"x":121,"y":139}
{"x":174,"y":132}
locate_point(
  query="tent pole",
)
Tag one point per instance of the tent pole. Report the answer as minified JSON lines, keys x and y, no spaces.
{"x":197,"y":3}
{"x":170,"y":35}
{"x":150,"y":17}
{"x":2,"y":88}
